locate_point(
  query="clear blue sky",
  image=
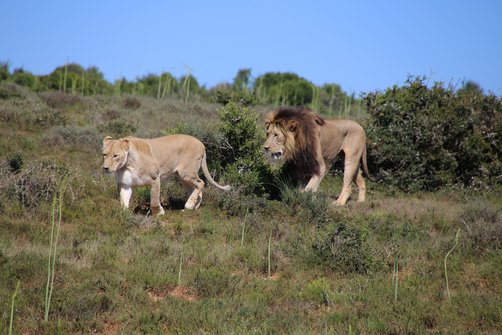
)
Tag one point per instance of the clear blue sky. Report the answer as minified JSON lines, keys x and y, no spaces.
{"x":361,"y":45}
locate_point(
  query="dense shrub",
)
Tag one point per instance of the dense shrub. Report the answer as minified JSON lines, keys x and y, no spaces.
{"x":30,"y":184}
{"x":342,"y":248}
{"x":60,"y":99}
{"x":10,"y":90}
{"x":131,"y":103}
{"x":423,"y":138}
{"x":483,"y":228}
{"x":117,"y":128}
{"x":84,"y":138}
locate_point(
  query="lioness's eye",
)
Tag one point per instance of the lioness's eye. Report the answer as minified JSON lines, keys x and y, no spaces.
{"x":115,"y":156}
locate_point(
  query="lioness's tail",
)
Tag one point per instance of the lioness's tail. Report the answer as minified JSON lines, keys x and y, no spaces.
{"x":365,"y":165}
{"x":209,"y":178}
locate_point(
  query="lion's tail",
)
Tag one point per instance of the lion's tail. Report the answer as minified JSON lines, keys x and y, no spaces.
{"x":365,"y":166}
{"x":209,"y":178}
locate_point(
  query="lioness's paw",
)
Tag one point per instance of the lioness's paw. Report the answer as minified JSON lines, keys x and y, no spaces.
{"x":157,"y":210}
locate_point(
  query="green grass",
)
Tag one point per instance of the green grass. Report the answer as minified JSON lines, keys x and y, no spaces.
{"x":239,"y":264}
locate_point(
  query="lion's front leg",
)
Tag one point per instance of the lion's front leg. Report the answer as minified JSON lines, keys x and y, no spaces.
{"x":313,"y":184}
{"x":155,"y":205}
{"x":315,"y":181}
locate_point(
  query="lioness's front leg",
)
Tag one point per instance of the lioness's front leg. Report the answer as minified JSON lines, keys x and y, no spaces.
{"x":125,"y":195}
{"x":155,"y":205}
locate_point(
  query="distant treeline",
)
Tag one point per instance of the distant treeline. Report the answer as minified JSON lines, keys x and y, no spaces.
{"x":272,"y":88}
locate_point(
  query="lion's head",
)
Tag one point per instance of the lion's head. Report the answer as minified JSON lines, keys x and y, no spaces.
{"x":115,"y":154}
{"x":294,"y":134}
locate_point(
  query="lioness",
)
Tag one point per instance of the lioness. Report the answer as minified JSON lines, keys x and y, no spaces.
{"x":143,"y":162}
{"x":310,"y":144}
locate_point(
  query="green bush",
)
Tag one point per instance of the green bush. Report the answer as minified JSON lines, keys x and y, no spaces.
{"x":224,"y":95}
{"x":423,"y":138}
{"x":319,"y":292}
{"x":244,"y":164}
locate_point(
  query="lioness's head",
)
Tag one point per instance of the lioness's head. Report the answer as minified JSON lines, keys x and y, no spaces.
{"x":114,"y":154}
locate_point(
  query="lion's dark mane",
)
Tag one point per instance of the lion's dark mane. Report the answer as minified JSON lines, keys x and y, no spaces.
{"x":303,"y":160}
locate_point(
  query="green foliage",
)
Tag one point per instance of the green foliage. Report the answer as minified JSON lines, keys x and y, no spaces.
{"x":283,"y":89}
{"x":224,"y":94}
{"x":73,"y":78}
{"x":23,"y":78}
{"x":424,"y":138}
{"x":244,"y":165}
{"x":4,"y":71}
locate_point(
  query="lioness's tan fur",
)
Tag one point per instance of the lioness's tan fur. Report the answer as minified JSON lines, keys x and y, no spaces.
{"x":311,"y":144}
{"x":144,"y":162}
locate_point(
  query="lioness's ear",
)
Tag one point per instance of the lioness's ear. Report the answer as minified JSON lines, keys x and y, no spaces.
{"x":292,"y":125}
{"x":106,"y":140}
{"x":125,"y":144}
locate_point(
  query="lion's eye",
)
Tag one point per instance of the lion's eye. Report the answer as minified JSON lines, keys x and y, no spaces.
{"x":115,"y":156}
{"x":275,"y":135}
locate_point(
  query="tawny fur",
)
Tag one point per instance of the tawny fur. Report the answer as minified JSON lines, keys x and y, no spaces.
{"x":310,"y":144}
{"x":144,"y":162}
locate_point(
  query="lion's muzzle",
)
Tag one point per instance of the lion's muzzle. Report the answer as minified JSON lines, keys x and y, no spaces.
{"x":276,"y":155}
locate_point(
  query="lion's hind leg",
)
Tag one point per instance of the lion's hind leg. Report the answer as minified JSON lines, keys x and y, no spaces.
{"x":349,"y":175}
{"x":361,"y":186}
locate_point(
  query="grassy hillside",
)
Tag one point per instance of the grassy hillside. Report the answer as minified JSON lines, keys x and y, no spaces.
{"x":241,"y":263}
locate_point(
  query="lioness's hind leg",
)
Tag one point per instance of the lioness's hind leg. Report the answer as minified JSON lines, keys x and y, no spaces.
{"x":195,"y":185}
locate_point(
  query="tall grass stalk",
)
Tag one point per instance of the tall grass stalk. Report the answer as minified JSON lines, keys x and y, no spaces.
{"x":18,"y":286}
{"x":159,"y":86}
{"x":395,"y":278}
{"x":446,"y":258}
{"x":179,"y":268}
{"x":57,"y":200}
{"x":244,"y":227}
{"x":269,"y":253}
{"x":65,"y":76}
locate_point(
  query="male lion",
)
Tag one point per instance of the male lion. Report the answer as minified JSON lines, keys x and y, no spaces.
{"x":143,"y":162}
{"x":309,"y":144}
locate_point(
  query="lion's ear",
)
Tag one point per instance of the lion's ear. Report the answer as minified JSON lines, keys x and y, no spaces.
{"x":292,"y":125}
{"x":107,"y":139}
